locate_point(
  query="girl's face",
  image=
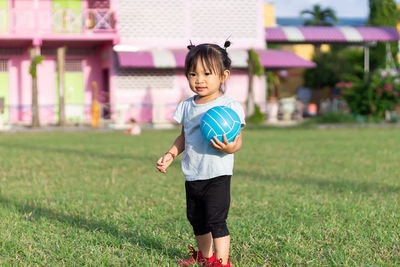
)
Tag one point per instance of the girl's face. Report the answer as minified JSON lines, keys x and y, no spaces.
{"x":205,"y":83}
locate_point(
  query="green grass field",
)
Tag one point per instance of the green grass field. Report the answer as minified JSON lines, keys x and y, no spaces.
{"x":299,"y":197}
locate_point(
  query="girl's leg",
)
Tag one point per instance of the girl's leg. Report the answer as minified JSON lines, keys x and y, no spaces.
{"x":217,"y":208}
{"x":204,"y":243}
{"x":222,"y":245}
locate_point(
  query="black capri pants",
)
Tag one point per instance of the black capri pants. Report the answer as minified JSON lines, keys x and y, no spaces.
{"x":207,"y":205}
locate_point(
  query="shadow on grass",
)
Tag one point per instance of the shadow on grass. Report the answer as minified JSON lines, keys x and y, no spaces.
{"x":324,"y":184}
{"x":95,"y":154}
{"x":143,"y":239}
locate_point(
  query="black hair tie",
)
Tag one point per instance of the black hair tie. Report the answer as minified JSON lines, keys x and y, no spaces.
{"x":191,"y":46}
{"x":227,"y":44}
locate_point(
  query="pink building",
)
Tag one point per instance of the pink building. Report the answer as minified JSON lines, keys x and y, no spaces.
{"x":133,"y":49}
{"x":147,"y":75}
{"x":87,"y":28}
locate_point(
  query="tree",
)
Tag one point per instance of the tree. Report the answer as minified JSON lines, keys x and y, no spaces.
{"x":382,"y":13}
{"x":338,"y":64}
{"x":61,"y":84}
{"x":254,"y":69}
{"x":35,"y":60}
{"x":319,"y":16}
{"x":325,"y":74}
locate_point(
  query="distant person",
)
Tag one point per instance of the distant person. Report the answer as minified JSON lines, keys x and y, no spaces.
{"x":207,"y":168}
{"x":134,"y":129}
{"x":304,"y":95}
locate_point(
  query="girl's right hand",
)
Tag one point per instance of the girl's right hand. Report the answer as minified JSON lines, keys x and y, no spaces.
{"x":164,"y":162}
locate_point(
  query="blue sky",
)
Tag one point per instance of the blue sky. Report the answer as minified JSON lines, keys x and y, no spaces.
{"x":343,"y":8}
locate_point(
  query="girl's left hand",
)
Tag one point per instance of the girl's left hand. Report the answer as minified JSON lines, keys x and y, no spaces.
{"x":227,"y":147}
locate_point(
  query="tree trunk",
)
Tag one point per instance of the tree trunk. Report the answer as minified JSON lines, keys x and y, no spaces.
{"x":318,"y":89}
{"x":35,"y":105}
{"x":250,"y":96}
{"x":61,"y":84}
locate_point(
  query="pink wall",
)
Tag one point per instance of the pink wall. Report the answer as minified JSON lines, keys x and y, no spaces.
{"x":143,"y":104}
{"x":27,"y":4}
{"x":22,"y":4}
{"x":135,"y":103}
{"x":140,"y":104}
{"x":21,"y":86}
{"x":237,"y":88}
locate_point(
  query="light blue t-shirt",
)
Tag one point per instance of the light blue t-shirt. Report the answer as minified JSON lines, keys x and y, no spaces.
{"x":200,"y":161}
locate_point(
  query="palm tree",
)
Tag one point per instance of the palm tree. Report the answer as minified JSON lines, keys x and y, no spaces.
{"x":320,"y":17}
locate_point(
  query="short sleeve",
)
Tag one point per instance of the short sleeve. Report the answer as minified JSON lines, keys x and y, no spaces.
{"x":178,"y":114}
{"x":237,"y":107}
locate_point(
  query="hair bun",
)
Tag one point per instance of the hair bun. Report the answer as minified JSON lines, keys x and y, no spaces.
{"x":227,"y":44}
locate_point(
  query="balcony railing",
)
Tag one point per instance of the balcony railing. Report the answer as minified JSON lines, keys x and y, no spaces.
{"x":57,"y":21}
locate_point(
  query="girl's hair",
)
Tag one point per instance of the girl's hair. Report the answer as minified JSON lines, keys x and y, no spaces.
{"x":212,"y":56}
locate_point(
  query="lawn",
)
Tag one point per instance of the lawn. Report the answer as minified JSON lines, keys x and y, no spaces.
{"x":299,"y":196}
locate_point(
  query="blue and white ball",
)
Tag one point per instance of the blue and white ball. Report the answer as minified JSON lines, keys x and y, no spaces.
{"x":218,"y":121}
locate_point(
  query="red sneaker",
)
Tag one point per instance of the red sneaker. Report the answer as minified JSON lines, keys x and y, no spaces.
{"x":196,"y":258}
{"x":218,"y":263}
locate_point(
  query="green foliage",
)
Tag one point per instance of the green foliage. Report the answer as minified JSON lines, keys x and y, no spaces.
{"x":382,"y":13}
{"x":254,"y":59}
{"x":273,"y":46}
{"x":32,"y":68}
{"x":350,"y":61}
{"x":272,"y":78}
{"x":358,"y":97}
{"x":333,"y":66}
{"x":257,"y":118}
{"x":376,"y":93}
{"x":335,"y":117}
{"x":272,"y":81}
{"x":325,"y":74}
{"x":319,"y":16}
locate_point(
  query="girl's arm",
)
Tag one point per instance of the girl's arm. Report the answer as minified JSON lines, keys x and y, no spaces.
{"x":227,"y":147}
{"x":177,"y":147}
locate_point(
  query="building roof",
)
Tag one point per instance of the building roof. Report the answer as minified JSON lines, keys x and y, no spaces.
{"x":282,"y":59}
{"x":162,"y":58}
{"x":327,"y":34}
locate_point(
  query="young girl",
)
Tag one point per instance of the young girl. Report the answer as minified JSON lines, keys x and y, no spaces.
{"x":207,"y":168}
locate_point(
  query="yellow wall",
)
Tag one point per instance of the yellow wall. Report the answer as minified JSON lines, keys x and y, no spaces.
{"x":269,"y":15}
{"x":305,"y":51}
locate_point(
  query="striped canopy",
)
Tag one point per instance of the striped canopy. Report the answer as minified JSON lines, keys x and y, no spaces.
{"x":269,"y":58}
{"x":325,"y":34}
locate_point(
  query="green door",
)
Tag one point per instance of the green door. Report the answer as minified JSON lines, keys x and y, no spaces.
{"x":67,"y":16}
{"x":4,"y":90}
{"x":3,"y":16}
{"x":73,"y":92}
